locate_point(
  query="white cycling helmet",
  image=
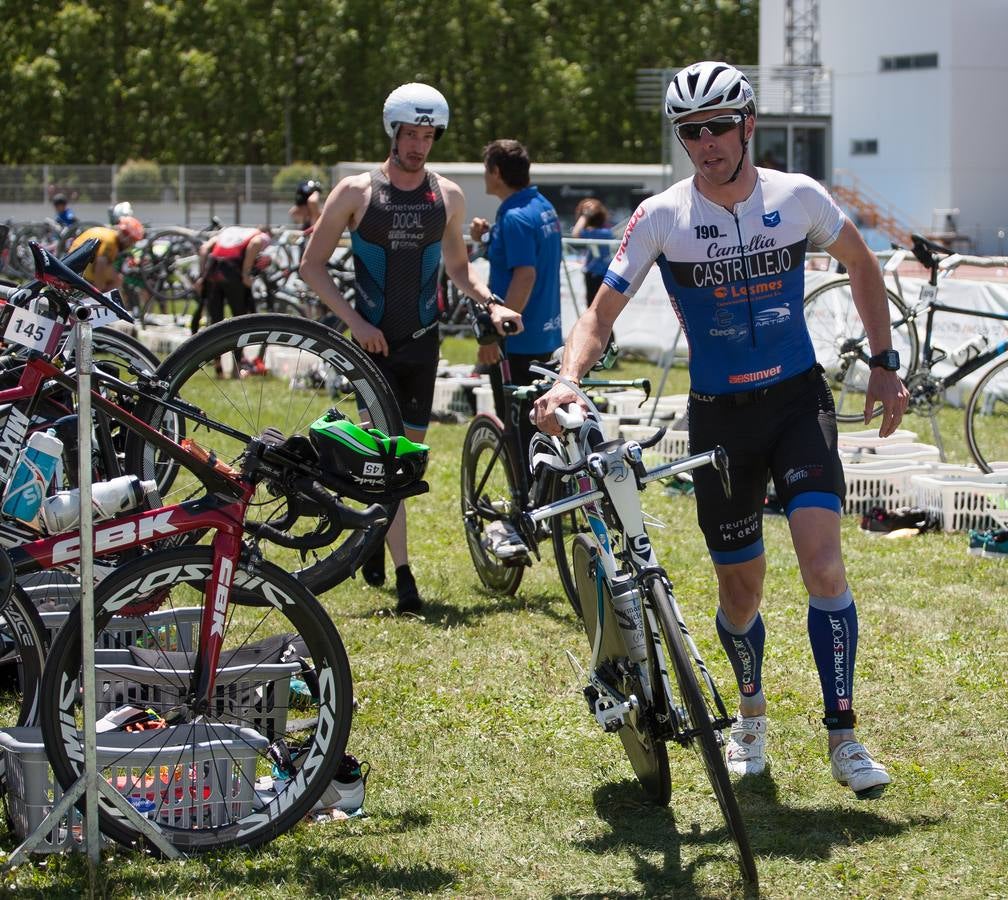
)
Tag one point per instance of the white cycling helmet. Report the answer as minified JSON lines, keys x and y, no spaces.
{"x":707,"y":86}
{"x":415,"y":104}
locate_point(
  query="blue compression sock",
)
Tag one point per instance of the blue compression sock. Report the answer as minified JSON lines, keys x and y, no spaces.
{"x":833,"y":634}
{"x":744,"y":647}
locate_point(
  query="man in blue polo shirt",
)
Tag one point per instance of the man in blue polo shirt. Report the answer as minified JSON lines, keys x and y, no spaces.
{"x":524,"y":250}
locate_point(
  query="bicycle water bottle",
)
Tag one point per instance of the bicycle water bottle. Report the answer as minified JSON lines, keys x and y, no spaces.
{"x":36,"y":466}
{"x":61,"y":512}
{"x":970,"y":350}
{"x":626,"y":606}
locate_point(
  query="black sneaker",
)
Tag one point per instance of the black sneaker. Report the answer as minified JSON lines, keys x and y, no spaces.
{"x":373,"y":568}
{"x":409,"y":596}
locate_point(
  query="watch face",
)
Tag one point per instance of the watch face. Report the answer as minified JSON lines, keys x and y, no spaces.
{"x":887,"y":359}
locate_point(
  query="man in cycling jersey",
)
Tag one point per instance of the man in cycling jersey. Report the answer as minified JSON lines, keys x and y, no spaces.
{"x":64,"y":215}
{"x":228,"y":261}
{"x":307,"y":206}
{"x":730,"y":243}
{"x":112,"y":242}
{"x":402,"y":219}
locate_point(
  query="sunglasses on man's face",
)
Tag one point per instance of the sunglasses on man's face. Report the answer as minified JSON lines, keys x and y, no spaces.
{"x":719,"y":125}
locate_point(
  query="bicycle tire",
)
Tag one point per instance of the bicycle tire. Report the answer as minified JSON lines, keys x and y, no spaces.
{"x":160,"y":263}
{"x":563,"y":530}
{"x":699,"y":725}
{"x":841,"y":347}
{"x":646,"y":752}
{"x":987,"y":418}
{"x":205,"y":750}
{"x":20,"y":259}
{"x":24,"y":646}
{"x":309,"y":369}
{"x":487,"y":461}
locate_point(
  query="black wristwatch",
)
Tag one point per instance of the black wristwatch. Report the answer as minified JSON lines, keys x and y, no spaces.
{"x":887,"y":359}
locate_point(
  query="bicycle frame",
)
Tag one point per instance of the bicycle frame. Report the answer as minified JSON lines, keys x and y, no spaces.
{"x":608,"y":492}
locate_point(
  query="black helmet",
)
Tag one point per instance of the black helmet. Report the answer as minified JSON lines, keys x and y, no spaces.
{"x":304,"y":190}
{"x":369,"y":458}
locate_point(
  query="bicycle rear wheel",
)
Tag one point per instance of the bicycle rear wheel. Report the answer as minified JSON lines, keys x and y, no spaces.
{"x":490,"y":493}
{"x":260,"y":371}
{"x":647,"y":753}
{"x":700,"y":714}
{"x":238,"y":771}
{"x":841,"y":346}
{"x":169,"y":264}
{"x":987,"y":418}
{"x":23,"y":649}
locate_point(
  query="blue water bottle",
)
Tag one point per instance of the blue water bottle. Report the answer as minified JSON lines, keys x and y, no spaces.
{"x":35,"y":468}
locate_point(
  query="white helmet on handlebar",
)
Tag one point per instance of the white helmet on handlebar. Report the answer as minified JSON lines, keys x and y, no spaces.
{"x":415,"y":104}
{"x":708,"y":86}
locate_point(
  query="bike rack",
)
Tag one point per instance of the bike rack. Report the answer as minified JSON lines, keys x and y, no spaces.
{"x":89,"y":784}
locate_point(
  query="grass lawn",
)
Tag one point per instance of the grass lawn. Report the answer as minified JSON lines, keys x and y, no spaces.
{"x":489,"y":778}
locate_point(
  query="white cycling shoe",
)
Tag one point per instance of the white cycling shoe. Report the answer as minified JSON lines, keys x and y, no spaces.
{"x":853,"y":766}
{"x":745,"y":752}
{"x":501,"y":539}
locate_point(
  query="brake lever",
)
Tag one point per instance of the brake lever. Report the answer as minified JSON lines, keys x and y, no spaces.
{"x":720,"y":462}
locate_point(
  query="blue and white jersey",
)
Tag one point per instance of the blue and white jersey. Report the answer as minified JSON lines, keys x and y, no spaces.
{"x":736,"y":279}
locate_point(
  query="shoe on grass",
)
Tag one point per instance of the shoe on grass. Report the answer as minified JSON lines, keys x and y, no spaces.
{"x":745,"y":753}
{"x":373,"y":568}
{"x":853,"y":766}
{"x":409,"y":596}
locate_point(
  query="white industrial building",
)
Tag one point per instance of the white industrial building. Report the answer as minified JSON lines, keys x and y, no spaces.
{"x":918,"y":125}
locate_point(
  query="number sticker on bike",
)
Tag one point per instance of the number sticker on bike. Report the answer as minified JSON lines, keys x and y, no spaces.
{"x":28,"y":329}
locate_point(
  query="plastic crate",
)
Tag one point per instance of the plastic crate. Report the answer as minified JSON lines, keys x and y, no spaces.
{"x":674,"y":443}
{"x":215,"y":785}
{"x":454,"y":395}
{"x":256,"y":695}
{"x":869,"y":437}
{"x":961,"y":503}
{"x":885,"y":484}
{"x":908,"y":450}
{"x":168,"y":629}
{"x":483,"y":397}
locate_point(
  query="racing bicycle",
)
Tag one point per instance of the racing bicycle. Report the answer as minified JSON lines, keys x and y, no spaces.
{"x":841,"y":346}
{"x":645,"y":680}
{"x":195,"y":769}
{"x":496,"y":490}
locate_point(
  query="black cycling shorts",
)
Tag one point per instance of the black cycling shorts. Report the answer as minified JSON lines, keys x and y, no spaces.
{"x":788,"y":432}
{"x":410,"y":372}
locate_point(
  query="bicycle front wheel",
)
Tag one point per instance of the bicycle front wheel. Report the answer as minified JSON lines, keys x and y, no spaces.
{"x":490,"y":494}
{"x":563,"y":530}
{"x":237,"y":769}
{"x":987,"y":418}
{"x":278,"y":371}
{"x":700,"y":714}
{"x":841,"y":345}
{"x":646,"y":752}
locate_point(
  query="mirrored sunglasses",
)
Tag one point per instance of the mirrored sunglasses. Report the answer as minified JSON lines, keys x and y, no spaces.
{"x":692,"y":131}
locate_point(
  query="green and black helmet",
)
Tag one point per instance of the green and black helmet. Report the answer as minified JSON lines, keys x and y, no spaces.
{"x":367,"y":457}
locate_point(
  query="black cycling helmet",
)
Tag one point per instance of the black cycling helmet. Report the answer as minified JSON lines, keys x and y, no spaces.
{"x":369,"y":458}
{"x":304,"y":190}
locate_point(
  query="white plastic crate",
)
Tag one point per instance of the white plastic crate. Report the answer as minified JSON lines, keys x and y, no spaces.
{"x":256,"y":695}
{"x":626,"y":403}
{"x":979,"y":503}
{"x":483,"y":396}
{"x":908,"y":450}
{"x":884,"y":483}
{"x":869,"y":437}
{"x":167,"y":629}
{"x":674,"y":443}
{"x":215,"y":785}
{"x":453,"y":395}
